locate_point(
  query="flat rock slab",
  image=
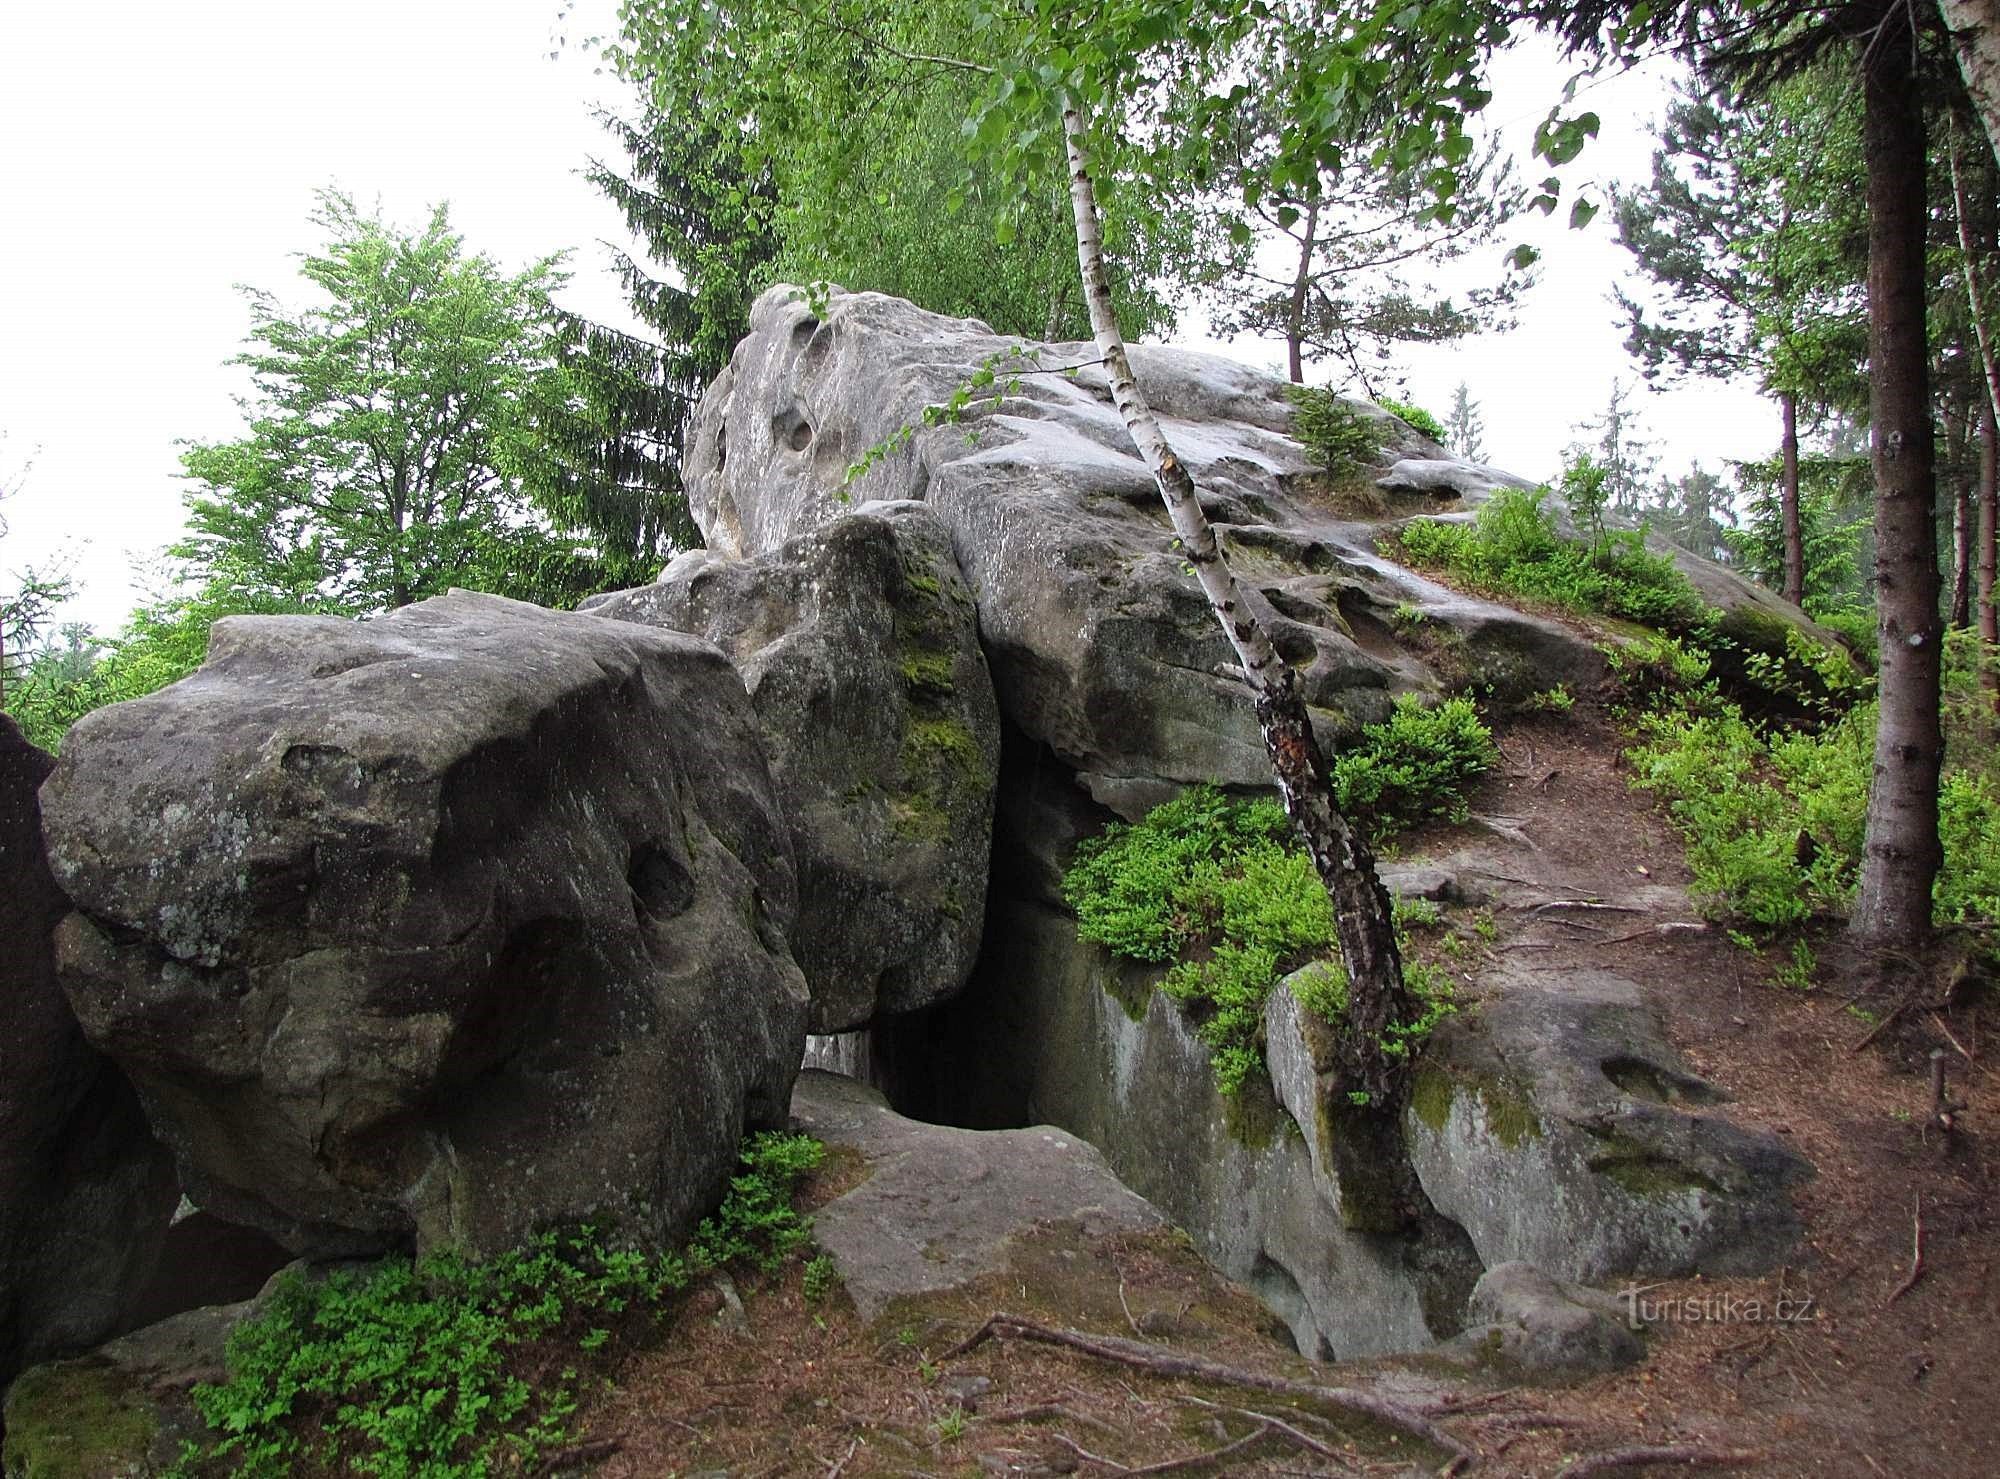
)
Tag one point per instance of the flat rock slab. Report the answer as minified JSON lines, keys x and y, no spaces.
{"x":940,"y":1204}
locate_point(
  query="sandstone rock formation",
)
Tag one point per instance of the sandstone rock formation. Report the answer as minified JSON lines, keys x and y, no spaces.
{"x":940,"y":1205}
{"x":1102,"y":648}
{"x":1558,"y":1127}
{"x":85,"y":1192}
{"x":441,"y":926}
{"x":860,"y":649}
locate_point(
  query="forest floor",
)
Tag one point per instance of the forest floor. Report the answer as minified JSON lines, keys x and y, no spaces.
{"x":1874,"y":1373}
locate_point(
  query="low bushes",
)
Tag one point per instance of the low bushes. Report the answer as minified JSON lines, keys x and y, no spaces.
{"x":1220,"y":890}
{"x":444,"y":1367}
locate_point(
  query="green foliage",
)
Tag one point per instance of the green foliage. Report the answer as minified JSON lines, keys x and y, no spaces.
{"x":1133,"y":887}
{"x":389,"y":429}
{"x":1414,"y":766}
{"x":1342,"y":438}
{"x":1220,"y":889}
{"x":821,"y":1278}
{"x":1774,"y":822}
{"x":1414,"y":416}
{"x":436,"y":1367}
{"x":755,"y":1224}
{"x":162,"y":643}
{"x":1513,"y":548}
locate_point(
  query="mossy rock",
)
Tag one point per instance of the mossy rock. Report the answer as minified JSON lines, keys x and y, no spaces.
{"x":1508,"y":1115}
{"x":83,"y":1419}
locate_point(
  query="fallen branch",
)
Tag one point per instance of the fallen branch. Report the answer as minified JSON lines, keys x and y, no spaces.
{"x":1683,"y":1454}
{"x":1916,"y":1256}
{"x":1304,"y":1440}
{"x":1143,"y":1356}
{"x":1589,"y":904}
{"x":1953,"y":1040}
{"x":1670,"y":927}
{"x":834,"y":1471}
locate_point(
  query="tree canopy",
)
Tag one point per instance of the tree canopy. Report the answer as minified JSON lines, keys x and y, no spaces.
{"x":390,"y":428}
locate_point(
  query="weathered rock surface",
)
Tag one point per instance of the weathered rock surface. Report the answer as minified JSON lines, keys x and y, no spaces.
{"x":1525,"y":1322}
{"x":1052,"y":1030}
{"x":124,"y":1409}
{"x":860,"y":650}
{"x":85,"y":1191}
{"x":441,"y":926}
{"x":939,"y":1205}
{"x":1101,"y":645}
{"x":1558,"y":1127}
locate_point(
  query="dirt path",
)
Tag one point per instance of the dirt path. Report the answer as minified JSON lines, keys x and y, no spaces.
{"x":1870,"y":1382}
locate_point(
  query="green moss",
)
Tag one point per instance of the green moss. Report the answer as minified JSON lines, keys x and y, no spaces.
{"x":922,"y":583}
{"x":75,"y":1420}
{"x":1431,"y":1093}
{"x":928,"y":674}
{"x":1642,"y":1170}
{"x":1509,"y":1117}
{"x":929,"y":744}
{"x":1252,"y":1114}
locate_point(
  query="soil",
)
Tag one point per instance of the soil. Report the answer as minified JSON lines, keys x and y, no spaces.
{"x":1870,"y":1372}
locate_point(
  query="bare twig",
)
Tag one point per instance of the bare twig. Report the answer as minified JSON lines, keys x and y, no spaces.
{"x":1687,"y":1455}
{"x":1916,"y":1256}
{"x":1589,"y":904}
{"x":1304,"y":1440}
{"x":1670,"y":927}
{"x":1126,"y":1307}
{"x":834,"y":1471}
{"x":1043,"y":1410}
{"x":1983,"y":1071}
{"x":1144,"y":1356}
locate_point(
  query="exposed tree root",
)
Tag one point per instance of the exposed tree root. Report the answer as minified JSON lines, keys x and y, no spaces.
{"x":1142,"y":1356}
{"x":1685,"y":1455}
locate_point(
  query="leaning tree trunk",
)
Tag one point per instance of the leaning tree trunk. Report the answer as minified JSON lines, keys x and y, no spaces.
{"x":1378,"y":1001}
{"x":1975,"y":36}
{"x":1901,"y":854}
{"x":1788,"y":501}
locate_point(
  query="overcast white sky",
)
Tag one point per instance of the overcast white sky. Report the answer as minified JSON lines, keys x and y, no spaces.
{"x":160,"y":154}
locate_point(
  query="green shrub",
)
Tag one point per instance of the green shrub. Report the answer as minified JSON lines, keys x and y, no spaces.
{"x":440,"y":1367}
{"x":1222,"y":891}
{"x":1513,"y":548}
{"x":1743,"y":800}
{"x":1414,"y":416}
{"x":1415,"y":765}
{"x":1341,"y":438}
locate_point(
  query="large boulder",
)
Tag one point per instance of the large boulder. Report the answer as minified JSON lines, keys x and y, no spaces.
{"x":1102,"y":646}
{"x":861,"y":654}
{"x":85,"y":1191}
{"x":442,"y":927}
{"x":940,"y":1206}
{"x":1560,"y":1128}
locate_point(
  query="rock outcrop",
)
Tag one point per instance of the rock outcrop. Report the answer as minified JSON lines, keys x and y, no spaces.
{"x":1559,"y":1128}
{"x":939,"y":1206}
{"x":438,"y":927}
{"x":860,"y":649}
{"x":85,"y":1191}
{"x":1102,"y":648}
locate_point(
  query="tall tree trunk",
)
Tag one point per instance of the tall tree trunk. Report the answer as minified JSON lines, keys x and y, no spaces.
{"x":1989,"y":517}
{"x":1295,"y":314}
{"x":1975,"y":36}
{"x":1901,"y":855}
{"x":1961,"y":556}
{"x":1378,"y":1001}
{"x":1788,"y":501}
